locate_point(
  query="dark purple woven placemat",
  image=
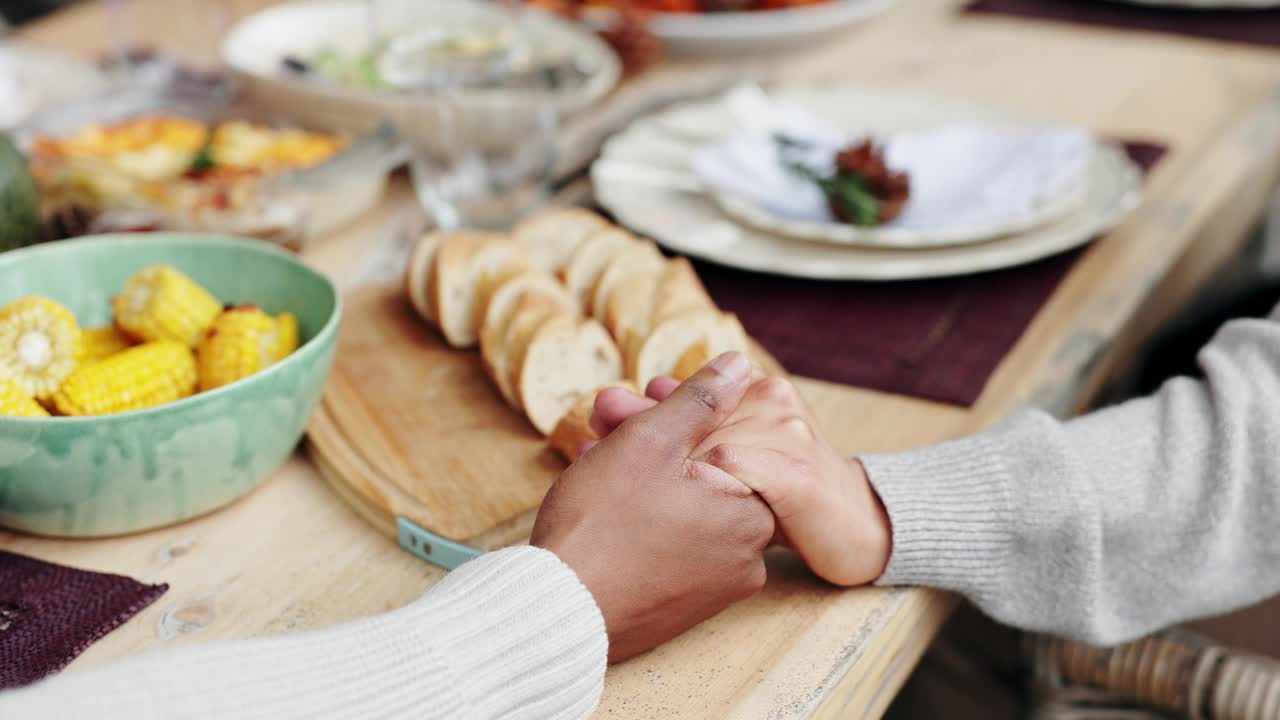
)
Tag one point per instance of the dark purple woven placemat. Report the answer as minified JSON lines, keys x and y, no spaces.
{"x":1253,"y":27}
{"x":935,"y":339}
{"x":50,"y":613}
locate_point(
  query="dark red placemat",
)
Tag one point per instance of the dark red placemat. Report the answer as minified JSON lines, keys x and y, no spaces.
{"x":936,"y":339}
{"x":49,"y":614}
{"x":1254,"y":27}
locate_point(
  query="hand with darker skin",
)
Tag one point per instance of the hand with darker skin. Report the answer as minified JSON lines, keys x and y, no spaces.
{"x":661,"y":539}
{"x":826,"y":509}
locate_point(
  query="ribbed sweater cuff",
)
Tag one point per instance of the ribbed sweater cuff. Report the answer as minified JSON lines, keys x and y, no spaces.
{"x":949,"y":507}
{"x":522,"y":633}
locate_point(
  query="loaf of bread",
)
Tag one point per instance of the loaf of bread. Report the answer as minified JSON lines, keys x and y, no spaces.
{"x":564,"y":306}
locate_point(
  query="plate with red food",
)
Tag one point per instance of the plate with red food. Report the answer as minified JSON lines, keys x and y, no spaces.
{"x":862,"y":183}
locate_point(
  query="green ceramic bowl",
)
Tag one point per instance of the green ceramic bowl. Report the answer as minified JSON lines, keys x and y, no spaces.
{"x":111,"y":474}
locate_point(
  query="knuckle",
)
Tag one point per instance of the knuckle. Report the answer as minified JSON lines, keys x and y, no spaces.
{"x":702,"y":396}
{"x":723,"y":457}
{"x":776,"y":389}
{"x":796,"y":426}
{"x":638,"y":434}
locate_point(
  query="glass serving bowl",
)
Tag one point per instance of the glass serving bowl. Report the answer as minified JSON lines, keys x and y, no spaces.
{"x":289,"y":207}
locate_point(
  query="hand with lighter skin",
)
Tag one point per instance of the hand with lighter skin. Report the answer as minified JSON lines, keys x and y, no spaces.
{"x":826,"y":509}
{"x":662,"y":539}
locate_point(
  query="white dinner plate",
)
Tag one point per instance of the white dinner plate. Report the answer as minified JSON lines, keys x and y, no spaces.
{"x":692,"y":224}
{"x":673,"y":137}
{"x":255,"y":49}
{"x":738,"y":33}
{"x":642,"y":177}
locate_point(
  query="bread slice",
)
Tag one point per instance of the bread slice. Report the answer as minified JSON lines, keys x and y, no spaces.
{"x":639,"y":257}
{"x":464,"y":263}
{"x":668,"y":342}
{"x":643,"y":300}
{"x":498,"y":351}
{"x":678,"y":292}
{"x":630,"y":303}
{"x":591,"y":257}
{"x":573,"y":432}
{"x":551,"y":236}
{"x":417,"y":277}
{"x":495,"y":308}
{"x":566,"y":357}
{"x":726,"y":336}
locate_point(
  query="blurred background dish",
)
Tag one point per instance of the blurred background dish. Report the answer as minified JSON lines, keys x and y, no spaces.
{"x":321,"y":61}
{"x":780,"y":27}
{"x":165,"y":149}
{"x":692,"y":224}
{"x":33,"y":78}
{"x":643,"y":177}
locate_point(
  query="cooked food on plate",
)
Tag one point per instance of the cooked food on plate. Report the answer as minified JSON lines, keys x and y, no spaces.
{"x":170,"y":339}
{"x":563,"y":306}
{"x":173,"y":164}
{"x":860,"y":188}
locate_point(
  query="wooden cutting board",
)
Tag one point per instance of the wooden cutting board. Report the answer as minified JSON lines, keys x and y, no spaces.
{"x":413,"y":434}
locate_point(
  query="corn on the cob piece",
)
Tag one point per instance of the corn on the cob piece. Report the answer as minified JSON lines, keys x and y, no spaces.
{"x":13,"y":401}
{"x":150,"y":374}
{"x":242,"y":341}
{"x":102,"y":342}
{"x":160,"y":303}
{"x":39,"y":339}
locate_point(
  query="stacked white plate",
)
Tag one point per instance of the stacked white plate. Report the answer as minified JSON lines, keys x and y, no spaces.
{"x":645,"y":177}
{"x":741,"y":33}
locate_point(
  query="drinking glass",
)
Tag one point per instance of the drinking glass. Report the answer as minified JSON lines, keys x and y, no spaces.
{"x":481,"y":123}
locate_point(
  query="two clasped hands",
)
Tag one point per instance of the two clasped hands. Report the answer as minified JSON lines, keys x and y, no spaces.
{"x":666,"y":519}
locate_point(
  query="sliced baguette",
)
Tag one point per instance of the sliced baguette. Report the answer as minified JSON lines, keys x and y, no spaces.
{"x":639,"y":257}
{"x":551,"y":236}
{"x":466,"y":262}
{"x":499,"y":355}
{"x":417,"y":277}
{"x":667,"y":343}
{"x":630,"y":303}
{"x":573,"y":432}
{"x":727,"y":335}
{"x":678,"y":292}
{"x":641,"y":301}
{"x":565,"y":357}
{"x":496,"y":307}
{"x":590,"y":259}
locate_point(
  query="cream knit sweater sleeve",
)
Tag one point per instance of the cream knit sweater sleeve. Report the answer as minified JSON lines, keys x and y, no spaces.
{"x":1113,"y":525}
{"x":512,"y":634}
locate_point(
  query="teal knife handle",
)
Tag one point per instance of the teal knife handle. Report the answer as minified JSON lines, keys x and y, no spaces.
{"x":431,"y":547}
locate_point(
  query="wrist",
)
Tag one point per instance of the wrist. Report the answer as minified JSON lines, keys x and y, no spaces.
{"x":875,"y":528}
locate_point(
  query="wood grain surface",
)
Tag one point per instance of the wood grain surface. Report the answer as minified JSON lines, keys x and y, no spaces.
{"x":295,"y":555}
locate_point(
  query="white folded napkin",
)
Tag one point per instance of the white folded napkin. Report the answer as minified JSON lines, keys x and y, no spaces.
{"x":962,"y":176}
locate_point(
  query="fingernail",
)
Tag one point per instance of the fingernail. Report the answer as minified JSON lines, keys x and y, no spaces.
{"x":732,"y":366}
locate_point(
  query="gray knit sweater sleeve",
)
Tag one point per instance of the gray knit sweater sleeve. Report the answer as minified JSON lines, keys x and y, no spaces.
{"x":1113,"y":525}
{"x":512,"y":634}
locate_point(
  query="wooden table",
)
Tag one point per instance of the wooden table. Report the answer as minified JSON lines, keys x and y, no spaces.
{"x":292,"y":556}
